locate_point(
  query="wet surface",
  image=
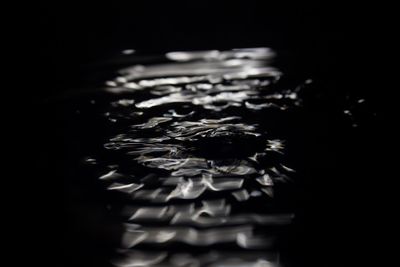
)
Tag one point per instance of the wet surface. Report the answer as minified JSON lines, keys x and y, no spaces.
{"x":202,"y":158}
{"x":194,"y":159}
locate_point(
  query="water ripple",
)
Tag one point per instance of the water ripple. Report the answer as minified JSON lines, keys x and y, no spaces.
{"x":193,"y":155}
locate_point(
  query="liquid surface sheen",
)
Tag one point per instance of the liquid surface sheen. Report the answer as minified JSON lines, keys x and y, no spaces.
{"x":195,"y":162}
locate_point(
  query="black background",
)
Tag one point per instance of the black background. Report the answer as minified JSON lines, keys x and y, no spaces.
{"x":324,"y":38}
{"x":336,"y":44}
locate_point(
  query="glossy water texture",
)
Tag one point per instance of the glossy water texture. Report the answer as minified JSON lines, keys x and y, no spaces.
{"x":197,"y":167}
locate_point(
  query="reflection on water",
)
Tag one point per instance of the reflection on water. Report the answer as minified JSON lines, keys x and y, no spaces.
{"x":193,"y":162}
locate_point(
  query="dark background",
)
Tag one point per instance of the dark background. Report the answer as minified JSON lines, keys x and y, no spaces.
{"x":323,"y":38}
{"x":335,"y":44}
